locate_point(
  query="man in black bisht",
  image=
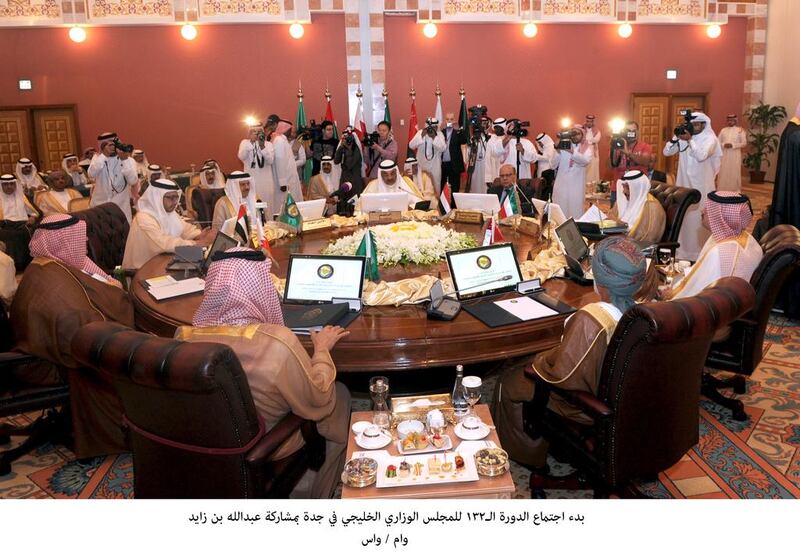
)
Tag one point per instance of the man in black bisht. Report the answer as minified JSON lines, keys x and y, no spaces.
{"x":786,"y":203}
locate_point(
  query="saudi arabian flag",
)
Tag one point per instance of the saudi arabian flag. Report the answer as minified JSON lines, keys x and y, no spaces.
{"x":369,"y":250}
{"x":301,"y":122}
{"x":291,"y":214}
{"x":509,"y":205}
{"x":387,"y":117}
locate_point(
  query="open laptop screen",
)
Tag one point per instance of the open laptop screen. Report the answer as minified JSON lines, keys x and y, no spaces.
{"x":320,"y":278}
{"x":222,"y":242}
{"x":484,"y":270}
{"x":571,"y":238}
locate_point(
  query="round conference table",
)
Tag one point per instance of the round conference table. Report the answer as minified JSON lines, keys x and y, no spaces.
{"x":388,"y":338}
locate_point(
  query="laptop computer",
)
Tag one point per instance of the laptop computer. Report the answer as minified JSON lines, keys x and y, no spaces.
{"x":192,"y":257}
{"x":484,"y":202}
{"x":384,"y":202}
{"x":311,"y":210}
{"x":481,"y":271}
{"x":576,"y":252}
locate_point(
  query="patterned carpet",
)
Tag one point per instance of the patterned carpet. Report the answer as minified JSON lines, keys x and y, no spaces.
{"x":759,"y":458}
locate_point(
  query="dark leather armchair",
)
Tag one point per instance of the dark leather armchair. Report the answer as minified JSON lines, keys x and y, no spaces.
{"x":676,"y":201}
{"x":191,"y":419}
{"x":646,"y":410}
{"x":202,"y":202}
{"x":106,"y":232}
{"x":17,"y":397}
{"x":741,"y":351}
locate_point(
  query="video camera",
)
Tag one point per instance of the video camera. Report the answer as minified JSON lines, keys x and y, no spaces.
{"x":686,"y":126}
{"x":565,"y":139}
{"x":430,"y":127}
{"x":516,"y":128}
{"x":371,"y":138}
{"x":311,"y":132}
{"x":476,"y":115}
{"x":120,"y":146}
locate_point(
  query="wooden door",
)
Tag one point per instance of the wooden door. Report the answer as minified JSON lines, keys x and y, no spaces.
{"x":56,"y":131}
{"x":652,"y":115}
{"x":15,"y":139}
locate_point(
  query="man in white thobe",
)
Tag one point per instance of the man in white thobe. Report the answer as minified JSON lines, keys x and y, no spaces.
{"x":285,"y":168}
{"x":140,"y":159}
{"x":28,"y":177}
{"x":593,"y":138}
{"x":429,"y":143}
{"x":518,"y":153}
{"x":389,"y":180}
{"x":257,"y":156}
{"x":544,"y":156}
{"x":733,"y":139}
{"x":478,"y":181}
{"x":496,"y":150}
{"x":113,"y":177}
{"x":698,"y":164}
{"x":569,"y":189}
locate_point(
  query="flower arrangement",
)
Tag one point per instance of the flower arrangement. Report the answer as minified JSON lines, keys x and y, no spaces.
{"x":405,"y":243}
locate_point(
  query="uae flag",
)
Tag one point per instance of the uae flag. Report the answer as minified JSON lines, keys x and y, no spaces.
{"x":446,"y":199}
{"x":509,"y":205}
{"x":412,"y":125}
{"x":369,"y":250}
{"x":242,"y":227}
{"x":359,"y":125}
{"x":492,"y":234}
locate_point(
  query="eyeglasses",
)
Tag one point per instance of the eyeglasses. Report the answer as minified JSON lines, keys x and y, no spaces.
{"x":506,"y":175}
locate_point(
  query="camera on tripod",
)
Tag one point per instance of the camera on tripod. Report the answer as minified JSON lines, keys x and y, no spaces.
{"x":517,"y":128}
{"x":686,"y":126}
{"x":371,"y":138}
{"x":311,"y":132}
{"x":476,"y":116}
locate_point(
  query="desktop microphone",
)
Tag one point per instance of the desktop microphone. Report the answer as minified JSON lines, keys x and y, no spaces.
{"x":505,"y":278}
{"x":345,"y":188}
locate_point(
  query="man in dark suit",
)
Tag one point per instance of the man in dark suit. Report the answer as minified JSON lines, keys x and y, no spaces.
{"x":452,"y":159}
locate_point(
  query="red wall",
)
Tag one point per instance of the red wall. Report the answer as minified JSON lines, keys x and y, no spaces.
{"x":181,"y":101}
{"x":566,"y":70}
{"x":184,"y":101}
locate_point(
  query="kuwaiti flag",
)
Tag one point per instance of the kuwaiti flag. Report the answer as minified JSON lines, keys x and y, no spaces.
{"x":242,"y":228}
{"x":412,"y":125}
{"x":359,"y":125}
{"x":508,"y":207}
{"x":369,"y":250}
{"x":446,"y":199}
{"x":492,"y":234}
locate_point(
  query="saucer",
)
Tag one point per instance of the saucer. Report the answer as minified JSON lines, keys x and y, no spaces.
{"x":464,"y":434}
{"x":360,"y":426}
{"x":373,"y":444}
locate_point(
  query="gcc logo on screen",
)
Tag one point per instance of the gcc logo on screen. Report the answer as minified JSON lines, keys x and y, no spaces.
{"x":483,"y":262}
{"x":325,"y":271}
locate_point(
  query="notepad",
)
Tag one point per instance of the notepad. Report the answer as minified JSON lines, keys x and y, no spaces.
{"x":177,"y":289}
{"x":525,"y":308}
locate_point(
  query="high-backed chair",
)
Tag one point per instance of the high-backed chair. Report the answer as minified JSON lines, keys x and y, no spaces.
{"x":741,"y":351}
{"x":202,"y":202}
{"x":647,"y":407}
{"x":17,"y":397}
{"x":107,"y":232}
{"x":676,"y":201}
{"x":191,"y":419}
{"x":81,"y":203}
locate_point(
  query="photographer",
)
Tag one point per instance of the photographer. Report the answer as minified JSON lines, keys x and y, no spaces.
{"x":569,"y":190}
{"x":544,"y":156}
{"x":452,"y":158}
{"x":699,"y":161}
{"x":257,"y":156}
{"x":478,"y":156}
{"x":429,"y":144}
{"x":379,"y":148}
{"x":348,"y":157}
{"x":287,"y":180}
{"x":113,"y":177}
{"x":634,"y":155}
{"x":323,"y":143}
{"x":519,"y":150}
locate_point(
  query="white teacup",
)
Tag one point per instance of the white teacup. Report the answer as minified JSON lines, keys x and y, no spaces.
{"x":372,"y":433}
{"x":472,"y":423}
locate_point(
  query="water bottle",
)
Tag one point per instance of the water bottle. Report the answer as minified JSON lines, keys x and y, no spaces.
{"x":460,"y":405}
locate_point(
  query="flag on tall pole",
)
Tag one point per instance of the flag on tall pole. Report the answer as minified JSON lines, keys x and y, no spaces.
{"x":329,"y":112}
{"x":412,"y":121}
{"x":301,"y":122}
{"x":387,"y":116}
{"x":359,"y":125}
{"x":438,"y":113}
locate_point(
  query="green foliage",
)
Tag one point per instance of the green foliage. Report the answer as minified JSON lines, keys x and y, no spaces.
{"x":763,"y":142}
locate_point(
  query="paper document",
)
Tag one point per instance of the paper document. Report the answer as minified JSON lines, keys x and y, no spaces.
{"x":182,"y":287}
{"x":160,"y":281}
{"x":594,"y":214}
{"x":525,"y":308}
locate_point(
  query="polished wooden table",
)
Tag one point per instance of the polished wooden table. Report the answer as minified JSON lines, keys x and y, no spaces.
{"x":485,"y":487}
{"x":390,"y":338}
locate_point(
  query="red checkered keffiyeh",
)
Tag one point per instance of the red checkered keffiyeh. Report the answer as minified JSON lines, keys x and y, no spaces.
{"x":727,"y":219}
{"x":239,"y":292}
{"x":67,"y":245}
